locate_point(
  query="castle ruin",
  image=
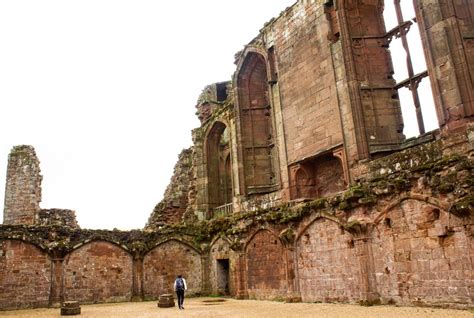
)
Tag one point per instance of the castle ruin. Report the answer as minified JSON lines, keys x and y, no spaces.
{"x":300,"y":184}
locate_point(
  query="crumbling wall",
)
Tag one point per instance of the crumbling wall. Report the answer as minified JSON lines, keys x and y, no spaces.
{"x":402,"y":232}
{"x":23,"y":187}
{"x":62,"y":217}
{"x":175,"y":200}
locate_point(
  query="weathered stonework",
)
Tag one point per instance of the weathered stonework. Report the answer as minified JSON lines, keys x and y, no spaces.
{"x":23,"y":187}
{"x":98,"y":270}
{"x":300,"y":185}
{"x":171,"y":209}
{"x":47,"y":217}
{"x":25,"y":275}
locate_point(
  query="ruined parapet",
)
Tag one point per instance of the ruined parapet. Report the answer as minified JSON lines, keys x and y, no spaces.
{"x":212,"y":98}
{"x":23,"y":187}
{"x":61,"y":217}
{"x":175,"y":200}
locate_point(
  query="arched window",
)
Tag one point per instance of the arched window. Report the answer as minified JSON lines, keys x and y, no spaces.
{"x":256,"y":131}
{"x":219,"y":178}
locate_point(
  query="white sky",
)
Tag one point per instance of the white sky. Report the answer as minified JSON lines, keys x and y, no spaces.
{"x":105,"y":92}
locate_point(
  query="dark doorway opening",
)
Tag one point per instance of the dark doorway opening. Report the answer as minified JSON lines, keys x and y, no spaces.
{"x":223,"y":276}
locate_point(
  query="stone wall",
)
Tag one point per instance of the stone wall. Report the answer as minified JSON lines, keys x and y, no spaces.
{"x":98,"y":272}
{"x":45,"y":265}
{"x":402,"y":235}
{"x":387,"y":220}
{"x":25,"y":273}
{"x":422,"y":256}
{"x":172,"y":207}
{"x":166,"y":261}
{"x":327,"y":266}
{"x":23,"y":187}
{"x":47,"y":217}
{"x":303,"y":54}
{"x":265,"y":271}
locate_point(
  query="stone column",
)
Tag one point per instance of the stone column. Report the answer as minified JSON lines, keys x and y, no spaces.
{"x":206,"y":269}
{"x":240,"y":270}
{"x":362,"y":243}
{"x":287,"y":237}
{"x":137,"y":278}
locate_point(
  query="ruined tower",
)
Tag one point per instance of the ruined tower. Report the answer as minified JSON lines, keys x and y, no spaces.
{"x":23,"y":187}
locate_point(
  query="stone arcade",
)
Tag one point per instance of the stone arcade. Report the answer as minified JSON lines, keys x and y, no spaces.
{"x":300,"y":184}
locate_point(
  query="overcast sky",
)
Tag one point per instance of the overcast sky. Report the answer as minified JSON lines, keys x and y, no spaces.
{"x":105,"y":92}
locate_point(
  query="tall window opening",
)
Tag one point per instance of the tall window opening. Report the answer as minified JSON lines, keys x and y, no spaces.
{"x":256,"y":125}
{"x":219,"y":183}
{"x":409,"y":66}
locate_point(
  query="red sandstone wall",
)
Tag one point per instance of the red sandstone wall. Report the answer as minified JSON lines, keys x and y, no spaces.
{"x":417,"y":261}
{"x":266,"y":278}
{"x":162,"y":264}
{"x":25,"y":273}
{"x":327,"y":264}
{"x":98,"y":272}
{"x":306,"y":81}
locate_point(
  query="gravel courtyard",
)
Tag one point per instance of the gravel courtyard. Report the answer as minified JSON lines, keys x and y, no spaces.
{"x":211,"y":307}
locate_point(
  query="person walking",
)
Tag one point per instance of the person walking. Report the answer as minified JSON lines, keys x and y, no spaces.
{"x":179,"y":287}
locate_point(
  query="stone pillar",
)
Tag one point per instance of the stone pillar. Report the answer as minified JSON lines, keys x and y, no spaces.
{"x":241,"y":286}
{"x":23,"y":187}
{"x":137,"y":278}
{"x":287,"y":237}
{"x":362,"y":243}
{"x":446,"y":30}
{"x":206,"y":269}
{"x":56,"y":296}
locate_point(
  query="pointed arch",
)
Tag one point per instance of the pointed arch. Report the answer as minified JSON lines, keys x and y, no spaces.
{"x":218,"y":166}
{"x":255,"y":124}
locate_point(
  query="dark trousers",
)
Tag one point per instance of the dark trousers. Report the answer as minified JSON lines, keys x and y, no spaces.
{"x":180,"y":295}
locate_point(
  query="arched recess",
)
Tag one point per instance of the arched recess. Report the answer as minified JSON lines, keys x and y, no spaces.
{"x":25,"y":273}
{"x":419,"y":252}
{"x":318,"y":176}
{"x":304,"y":184}
{"x":327,"y":263}
{"x":266,"y":266}
{"x":98,"y":271}
{"x":219,"y":172}
{"x":163,"y":263}
{"x":223,"y":262}
{"x":256,"y":128}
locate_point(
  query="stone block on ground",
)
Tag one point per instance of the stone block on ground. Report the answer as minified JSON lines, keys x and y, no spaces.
{"x":166,"y":301}
{"x":70,"y":308}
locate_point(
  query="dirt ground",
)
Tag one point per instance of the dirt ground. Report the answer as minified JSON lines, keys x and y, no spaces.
{"x":212,"y":307}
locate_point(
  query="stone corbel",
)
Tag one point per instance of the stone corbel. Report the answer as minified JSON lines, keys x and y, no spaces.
{"x":360,"y":228}
{"x":287,"y":237}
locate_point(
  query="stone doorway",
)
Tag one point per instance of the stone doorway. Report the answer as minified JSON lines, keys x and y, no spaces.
{"x":223,"y":276}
